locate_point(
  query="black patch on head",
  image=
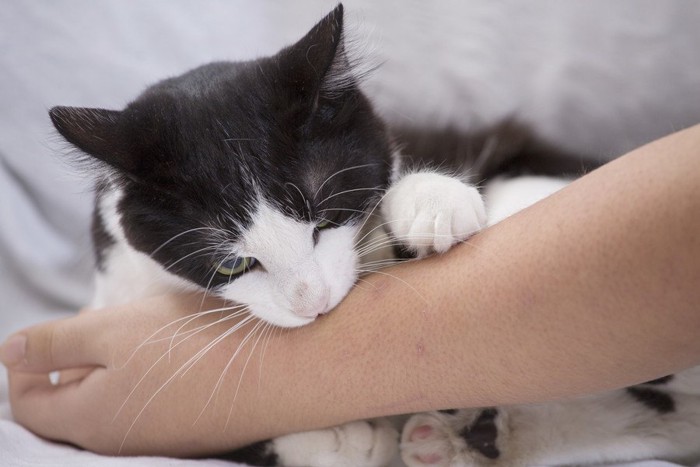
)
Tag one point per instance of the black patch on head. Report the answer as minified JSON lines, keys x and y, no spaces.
{"x":448,"y":411}
{"x":196,"y":153}
{"x":482,"y":434}
{"x":260,"y":453}
{"x":662,"y":380}
{"x":653,"y":398}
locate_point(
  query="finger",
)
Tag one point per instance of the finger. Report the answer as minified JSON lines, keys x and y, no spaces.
{"x":42,"y":406}
{"x":85,"y":340}
{"x":20,"y":383}
{"x":55,"y":345}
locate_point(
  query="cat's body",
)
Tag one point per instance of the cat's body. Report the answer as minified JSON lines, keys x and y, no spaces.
{"x":261,"y":182}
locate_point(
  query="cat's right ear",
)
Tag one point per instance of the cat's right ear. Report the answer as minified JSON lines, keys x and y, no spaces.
{"x":96,"y":132}
{"x":307,"y":63}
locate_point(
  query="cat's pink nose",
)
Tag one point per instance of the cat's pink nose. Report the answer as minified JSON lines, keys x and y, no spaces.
{"x":311,"y":308}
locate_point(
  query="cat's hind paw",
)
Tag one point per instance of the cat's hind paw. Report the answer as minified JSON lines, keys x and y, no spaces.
{"x":429,"y":212}
{"x":370,"y":443}
{"x":468,"y":438}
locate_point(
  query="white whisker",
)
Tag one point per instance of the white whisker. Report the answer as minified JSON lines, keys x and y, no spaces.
{"x":329,"y":197}
{"x":240,"y":379}
{"x":195,"y":358}
{"x":167,"y":353}
{"x":338,"y":173}
{"x":174,"y":237}
{"x":217,"y":385}
{"x":400,"y":280}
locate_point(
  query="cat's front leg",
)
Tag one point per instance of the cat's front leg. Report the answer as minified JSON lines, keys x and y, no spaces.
{"x":429,"y":212}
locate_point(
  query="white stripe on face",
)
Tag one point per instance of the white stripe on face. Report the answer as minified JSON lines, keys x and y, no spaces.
{"x":296,"y":280}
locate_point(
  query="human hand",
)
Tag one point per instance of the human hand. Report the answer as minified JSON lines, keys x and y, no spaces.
{"x":132,"y":380}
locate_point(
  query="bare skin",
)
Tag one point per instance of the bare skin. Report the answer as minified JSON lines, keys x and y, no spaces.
{"x":594,"y":288}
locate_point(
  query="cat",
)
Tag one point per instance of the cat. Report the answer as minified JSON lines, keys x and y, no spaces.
{"x":254,"y":181}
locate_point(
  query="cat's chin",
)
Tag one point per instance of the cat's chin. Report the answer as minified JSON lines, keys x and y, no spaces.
{"x":284,"y":319}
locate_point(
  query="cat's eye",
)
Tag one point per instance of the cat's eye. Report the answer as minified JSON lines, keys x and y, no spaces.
{"x":235,"y":266}
{"x":324,"y":224}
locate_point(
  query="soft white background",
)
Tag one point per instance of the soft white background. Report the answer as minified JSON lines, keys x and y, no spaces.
{"x":594,"y":76}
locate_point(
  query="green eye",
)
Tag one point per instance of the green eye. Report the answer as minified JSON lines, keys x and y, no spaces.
{"x":235,"y":266}
{"x":323,"y":224}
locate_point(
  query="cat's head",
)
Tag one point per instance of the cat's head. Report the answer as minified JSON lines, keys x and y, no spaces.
{"x":250,"y":179}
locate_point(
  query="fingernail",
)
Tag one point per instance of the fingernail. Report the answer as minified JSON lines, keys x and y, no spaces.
{"x":13,"y":350}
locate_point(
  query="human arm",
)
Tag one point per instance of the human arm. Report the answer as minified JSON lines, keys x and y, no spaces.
{"x":591,"y":289}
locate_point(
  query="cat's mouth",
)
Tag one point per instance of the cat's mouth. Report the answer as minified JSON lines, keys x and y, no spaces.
{"x":301,"y":313}
{"x":314,"y":306}
{"x":286,"y":319}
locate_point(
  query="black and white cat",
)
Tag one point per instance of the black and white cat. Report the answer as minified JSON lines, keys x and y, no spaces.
{"x":256,"y":181}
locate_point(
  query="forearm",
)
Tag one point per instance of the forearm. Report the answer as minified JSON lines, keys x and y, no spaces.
{"x":593,"y":288}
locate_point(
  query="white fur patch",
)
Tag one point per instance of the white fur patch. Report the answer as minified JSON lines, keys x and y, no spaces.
{"x":430,"y":212}
{"x":506,"y":196}
{"x":129,"y":274}
{"x":297,"y":280}
{"x":354,"y":444}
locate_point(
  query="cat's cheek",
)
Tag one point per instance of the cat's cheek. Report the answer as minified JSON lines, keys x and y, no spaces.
{"x":267,"y":297}
{"x":338,"y":260}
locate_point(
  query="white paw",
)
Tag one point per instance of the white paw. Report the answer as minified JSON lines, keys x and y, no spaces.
{"x":429,"y":212}
{"x":426,"y":441}
{"x":469,"y":438}
{"x":356,"y":444}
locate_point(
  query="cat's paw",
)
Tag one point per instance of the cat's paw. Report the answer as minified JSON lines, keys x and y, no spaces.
{"x":466,"y":438}
{"x":428,"y":212}
{"x":355,"y":444}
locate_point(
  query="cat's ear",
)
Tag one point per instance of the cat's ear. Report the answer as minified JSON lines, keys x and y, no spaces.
{"x":96,"y":132}
{"x":309,"y":64}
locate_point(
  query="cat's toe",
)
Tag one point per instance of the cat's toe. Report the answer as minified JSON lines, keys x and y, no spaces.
{"x":466,"y":438}
{"x":355,"y":444}
{"x":429,"y":212}
{"x":425,"y":442}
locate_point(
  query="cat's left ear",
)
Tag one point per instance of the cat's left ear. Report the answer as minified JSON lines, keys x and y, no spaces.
{"x":317,"y":58}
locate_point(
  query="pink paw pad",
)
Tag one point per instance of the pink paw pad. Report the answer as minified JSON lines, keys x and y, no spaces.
{"x":421,"y":432}
{"x":428,"y":458}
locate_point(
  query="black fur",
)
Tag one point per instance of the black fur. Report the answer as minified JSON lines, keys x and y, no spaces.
{"x":654,"y":399}
{"x":508,"y":148}
{"x":261,"y":454}
{"x":663,"y":380}
{"x":482,"y":434}
{"x":198,"y":150}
